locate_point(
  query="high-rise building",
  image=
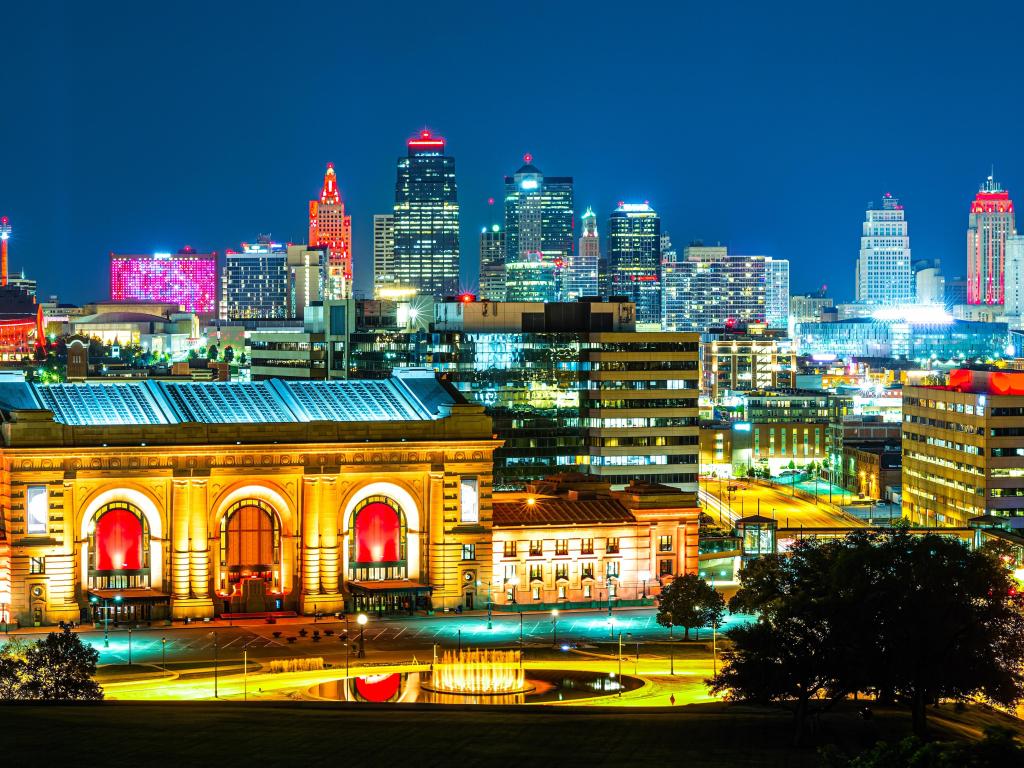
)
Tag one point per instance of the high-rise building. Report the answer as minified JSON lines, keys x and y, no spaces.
{"x":709,"y":288}
{"x":255,"y":281}
{"x":884,"y":274}
{"x":776,"y":293}
{"x":492,"y":263}
{"x":427,"y":219}
{"x":585,"y":264}
{"x":305,"y":278}
{"x":538,"y":231}
{"x":383,"y":249}
{"x":634,"y":259}
{"x":1013,"y":299}
{"x":990,"y":223}
{"x":929,"y":282}
{"x":331,"y":228}
{"x":186,"y":278}
{"x":806,"y":308}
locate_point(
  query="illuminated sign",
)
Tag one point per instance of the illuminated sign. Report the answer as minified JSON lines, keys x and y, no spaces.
{"x":742,"y":426}
{"x":528,"y":184}
{"x":37,"y":509}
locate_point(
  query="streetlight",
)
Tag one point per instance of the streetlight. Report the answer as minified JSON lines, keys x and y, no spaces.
{"x":163,"y":653}
{"x":3,"y":610}
{"x":513,"y":580}
{"x":620,"y":664}
{"x":479,"y":583}
{"x":460,"y":642}
{"x":361,"y":621}
{"x":129,"y":646}
{"x":216,"y":692}
{"x":554,"y":626}
{"x":644,"y":576}
{"x":520,"y":639}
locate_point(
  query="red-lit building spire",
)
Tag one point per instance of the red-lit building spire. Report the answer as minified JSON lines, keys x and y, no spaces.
{"x":5,"y":235}
{"x":331,"y":229}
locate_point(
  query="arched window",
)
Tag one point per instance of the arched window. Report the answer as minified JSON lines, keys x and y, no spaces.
{"x":250,"y":543}
{"x":377,"y":540}
{"x":118,"y":547}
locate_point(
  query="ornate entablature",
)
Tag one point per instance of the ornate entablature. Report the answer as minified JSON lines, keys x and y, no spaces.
{"x":189,"y":499}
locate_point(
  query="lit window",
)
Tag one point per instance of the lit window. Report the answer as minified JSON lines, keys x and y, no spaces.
{"x":587,"y":547}
{"x":510,"y":549}
{"x":536,"y":548}
{"x":588,"y":590}
{"x":561,"y":546}
{"x":469,"y":495}
{"x":612,"y":547}
{"x":37,"y":565}
{"x":535,"y":593}
{"x":664,"y":543}
{"x":37,"y":509}
{"x":469,"y":551}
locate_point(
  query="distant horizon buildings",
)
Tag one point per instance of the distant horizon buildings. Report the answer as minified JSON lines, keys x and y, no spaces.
{"x":539,"y":233}
{"x":634,"y":259}
{"x":426,"y":218}
{"x":585,"y":267}
{"x":884,"y":274}
{"x":186,"y":278}
{"x":331,"y":228}
{"x":990,"y":222}
{"x":383,"y":250}
{"x":492,"y":263}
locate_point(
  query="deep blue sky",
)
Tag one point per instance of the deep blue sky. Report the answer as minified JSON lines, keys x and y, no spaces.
{"x":766,"y":126}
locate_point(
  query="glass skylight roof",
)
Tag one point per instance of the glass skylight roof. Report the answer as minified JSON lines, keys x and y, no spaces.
{"x":410,"y":396}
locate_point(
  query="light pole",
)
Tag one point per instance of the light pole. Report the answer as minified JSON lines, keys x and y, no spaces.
{"x":671,"y":652}
{"x":216,"y":692}
{"x":554,"y":626}
{"x":520,"y":639}
{"x":163,"y":653}
{"x":361,"y":621}
{"x":513,"y":581}
{"x":645,"y":576}
{"x":3,"y":609}
{"x":129,"y":646}
{"x":460,"y":642}
{"x":480,"y":583}
{"x":620,"y":664}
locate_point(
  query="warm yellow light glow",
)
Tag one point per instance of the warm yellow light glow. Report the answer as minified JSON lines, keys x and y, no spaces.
{"x":554,"y":613}
{"x":531,"y":501}
{"x":480,"y":672}
{"x":1019,"y":575}
{"x":361,"y":619}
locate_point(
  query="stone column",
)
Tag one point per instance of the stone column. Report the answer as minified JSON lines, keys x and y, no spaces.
{"x":199,"y":575}
{"x":437,"y":567}
{"x":310,"y":535}
{"x":329,"y":560}
{"x":180,"y":510}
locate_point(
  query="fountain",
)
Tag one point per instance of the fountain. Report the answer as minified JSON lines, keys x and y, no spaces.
{"x":479,"y":673}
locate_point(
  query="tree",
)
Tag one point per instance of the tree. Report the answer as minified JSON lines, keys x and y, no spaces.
{"x":212,"y":352}
{"x":242,"y":359}
{"x":908,"y":618}
{"x":998,"y":748}
{"x":689,"y":601}
{"x":60,"y":667}
{"x":229,"y":354}
{"x":193,"y":354}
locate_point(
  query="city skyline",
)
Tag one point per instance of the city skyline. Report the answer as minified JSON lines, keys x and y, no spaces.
{"x":212,"y":187}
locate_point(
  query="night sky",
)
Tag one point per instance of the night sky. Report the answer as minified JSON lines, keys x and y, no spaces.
{"x":765,"y":126}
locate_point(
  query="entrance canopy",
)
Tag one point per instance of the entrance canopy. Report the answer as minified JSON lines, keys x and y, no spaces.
{"x":150,"y":595}
{"x":389,"y":587}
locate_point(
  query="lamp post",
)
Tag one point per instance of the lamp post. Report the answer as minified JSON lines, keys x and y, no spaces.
{"x":3,"y":613}
{"x":513,"y":581}
{"x":361,"y":621}
{"x":460,"y":642}
{"x":163,"y":653}
{"x":216,"y":692}
{"x":620,"y":664}
{"x":129,"y":646}
{"x":480,"y":583}
{"x":644,"y":576}
{"x":554,"y":626}
{"x":520,"y":639}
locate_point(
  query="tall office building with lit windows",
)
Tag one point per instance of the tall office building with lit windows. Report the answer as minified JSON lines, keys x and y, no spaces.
{"x":186,"y":278}
{"x":776,"y":292}
{"x":426,"y":219}
{"x":990,"y":223}
{"x":634,"y":259}
{"x":255,"y":282}
{"x":383,"y":249}
{"x":331,"y":228}
{"x":539,"y":241}
{"x":885,"y":274}
{"x":492,"y":263}
{"x":585,"y":264}
{"x":710,"y":288}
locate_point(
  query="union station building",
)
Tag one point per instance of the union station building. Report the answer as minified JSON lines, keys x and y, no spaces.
{"x":153,"y":500}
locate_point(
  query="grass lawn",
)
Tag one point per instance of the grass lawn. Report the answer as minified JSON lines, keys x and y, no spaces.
{"x":313,"y":734}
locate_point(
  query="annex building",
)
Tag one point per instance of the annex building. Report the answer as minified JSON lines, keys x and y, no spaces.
{"x":149,"y":500}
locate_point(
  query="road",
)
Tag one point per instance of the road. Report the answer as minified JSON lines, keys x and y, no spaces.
{"x":384,"y":638}
{"x":769,"y":501}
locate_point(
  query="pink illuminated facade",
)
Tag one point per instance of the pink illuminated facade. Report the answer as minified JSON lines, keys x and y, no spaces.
{"x":331,"y":228}
{"x":186,"y":278}
{"x":991,"y":222}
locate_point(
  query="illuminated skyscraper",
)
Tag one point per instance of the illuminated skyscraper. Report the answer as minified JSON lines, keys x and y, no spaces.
{"x":186,"y":278}
{"x":776,"y":292}
{"x":330,"y":228}
{"x":492,"y":263}
{"x":709,"y":288}
{"x":383,"y":249}
{"x":584,"y":266}
{"x":991,"y":222}
{"x":884,"y":272}
{"x":305,"y":278}
{"x":634,"y":258}
{"x":427,"y":219}
{"x":539,"y":242}
{"x":256,"y":281}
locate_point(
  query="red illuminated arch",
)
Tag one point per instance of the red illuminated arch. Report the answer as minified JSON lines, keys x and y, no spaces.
{"x":378,"y":688}
{"x":119,"y":535}
{"x":378,"y":533}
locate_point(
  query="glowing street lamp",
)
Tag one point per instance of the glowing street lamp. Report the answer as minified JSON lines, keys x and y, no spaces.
{"x":644,"y":576}
{"x":513,"y":581}
{"x":361,"y":621}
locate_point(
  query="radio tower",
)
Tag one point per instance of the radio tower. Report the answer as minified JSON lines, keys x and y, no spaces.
{"x":5,"y":235}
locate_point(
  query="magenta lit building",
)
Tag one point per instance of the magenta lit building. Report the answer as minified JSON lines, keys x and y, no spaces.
{"x":186,"y":278}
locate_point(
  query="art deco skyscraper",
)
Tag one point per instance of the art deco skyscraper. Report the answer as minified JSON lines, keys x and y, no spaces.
{"x":585,"y":265}
{"x":330,"y":228}
{"x":884,"y":272}
{"x":427,"y":219}
{"x":634,"y":258}
{"x":990,"y":223}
